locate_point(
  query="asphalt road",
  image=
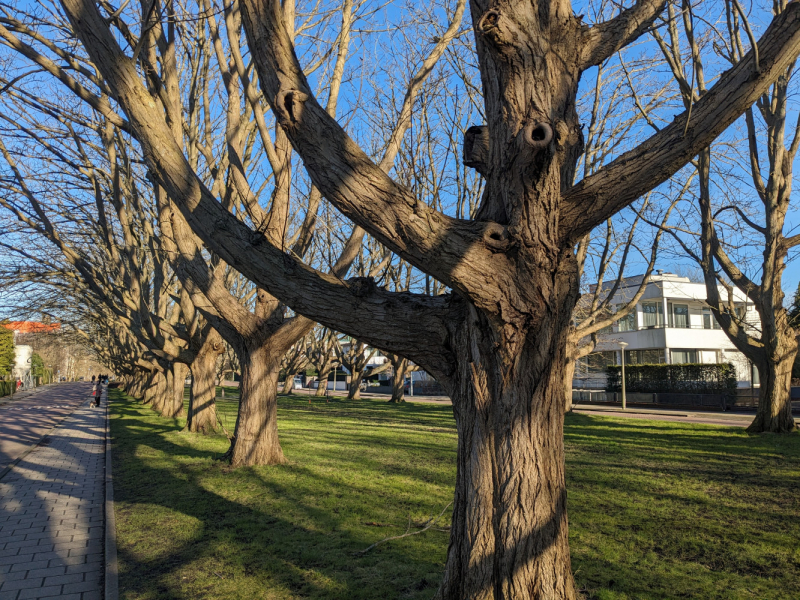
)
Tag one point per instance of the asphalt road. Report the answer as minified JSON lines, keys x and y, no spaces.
{"x":25,"y":421}
{"x":726,"y":419}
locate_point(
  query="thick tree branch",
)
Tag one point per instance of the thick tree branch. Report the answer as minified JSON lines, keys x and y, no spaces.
{"x":604,"y":39}
{"x":447,"y":248}
{"x":619,"y":183}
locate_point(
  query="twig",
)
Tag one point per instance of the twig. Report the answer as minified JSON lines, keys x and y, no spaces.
{"x":428,"y":524}
{"x":225,"y":431}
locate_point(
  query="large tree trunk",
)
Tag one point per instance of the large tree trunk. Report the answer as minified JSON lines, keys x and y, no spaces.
{"x":399,"y":368}
{"x":151,"y":383}
{"x":509,"y":536}
{"x":176,"y":378}
{"x":569,"y":374}
{"x":255,"y":440}
{"x":288,"y":384}
{"x":140,"y":381}
{"x":161,"y":393}
{"x":202,"y":415}
{"x":323,"y":382}
{"x":774,"y":413}
{"x":354,"y":387}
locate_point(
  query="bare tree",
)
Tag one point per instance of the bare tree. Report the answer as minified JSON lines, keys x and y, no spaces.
{"x":355,"y":356}
{"x":728,"y":229}
{"x":321,"y":353}
{"x":294,"y":361}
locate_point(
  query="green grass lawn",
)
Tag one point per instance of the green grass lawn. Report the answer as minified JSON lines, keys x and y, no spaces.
{"x":657,"y":510}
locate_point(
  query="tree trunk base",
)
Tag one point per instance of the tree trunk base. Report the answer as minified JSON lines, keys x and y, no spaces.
{"x":774,"y":413}
{"x":778,"y":424}
{"x":255,"y":440}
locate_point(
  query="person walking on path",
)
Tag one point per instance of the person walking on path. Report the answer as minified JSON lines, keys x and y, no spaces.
{"x":96,"y":387}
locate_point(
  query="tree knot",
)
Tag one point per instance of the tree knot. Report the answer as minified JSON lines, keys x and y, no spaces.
{"x":495,"y":236}
{"x":289,"y":106}
{"x":495,"y":29}
{"x":361,"y":286}
{"x":476,"y":148}
{"x":537,"y":134}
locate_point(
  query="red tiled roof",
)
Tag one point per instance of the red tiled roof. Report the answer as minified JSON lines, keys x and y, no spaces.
{"x":31,"y":326}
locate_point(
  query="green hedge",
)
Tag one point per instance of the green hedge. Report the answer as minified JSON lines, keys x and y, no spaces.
{"x":676,"y":379}
{"x":7,"y":388}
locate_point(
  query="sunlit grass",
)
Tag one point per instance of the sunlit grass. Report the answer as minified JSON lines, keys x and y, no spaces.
{"x":657,"y":510}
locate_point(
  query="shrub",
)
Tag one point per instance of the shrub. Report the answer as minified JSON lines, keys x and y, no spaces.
{"x":7,"y":354}
{"x":7,"y":388}
{"x":681,"y":378}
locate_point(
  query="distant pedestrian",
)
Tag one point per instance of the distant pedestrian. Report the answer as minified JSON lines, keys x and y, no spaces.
{"x":96,"y":391}
{"x":92,"y":378}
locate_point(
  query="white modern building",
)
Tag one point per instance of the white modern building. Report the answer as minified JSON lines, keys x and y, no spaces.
{"x":672,"y":323}
{"x":22,"y":365}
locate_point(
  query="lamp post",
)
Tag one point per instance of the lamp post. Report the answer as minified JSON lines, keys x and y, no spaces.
{"x":622,"y":346}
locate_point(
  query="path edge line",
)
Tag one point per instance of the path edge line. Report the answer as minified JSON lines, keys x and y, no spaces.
{"x":111,"y":591}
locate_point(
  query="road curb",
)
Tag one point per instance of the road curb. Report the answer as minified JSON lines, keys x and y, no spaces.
{"x":111,"y":591}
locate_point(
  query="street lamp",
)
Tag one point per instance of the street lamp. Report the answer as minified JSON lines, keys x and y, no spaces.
{"x":622,"y":346}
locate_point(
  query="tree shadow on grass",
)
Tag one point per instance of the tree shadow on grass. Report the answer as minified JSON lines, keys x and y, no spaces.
{"x":291,"y":531}
{"x":243,"y":543}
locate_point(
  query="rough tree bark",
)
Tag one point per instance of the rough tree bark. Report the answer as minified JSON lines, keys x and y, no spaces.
{"x":176,"y":376}
{"x":288,"y":384}
{"x":399,"y":368}
{"x":255,"y":439}
{"x":774,"y":412}
{"x":354,"y":386}
{"x":202,"y":415}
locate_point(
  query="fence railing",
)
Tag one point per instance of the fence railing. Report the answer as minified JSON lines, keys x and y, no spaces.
{"x":743,"y":398}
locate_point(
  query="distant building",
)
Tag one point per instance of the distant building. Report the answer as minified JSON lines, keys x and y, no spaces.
{"x":21,"y":327}
{"x":22,"y":365}
{"x":673,"y":324}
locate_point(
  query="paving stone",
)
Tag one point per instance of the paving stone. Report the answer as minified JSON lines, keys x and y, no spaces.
{"x":85,"y":568}
{"x":13,"y":576}
{"x":84,"y":586}
{"x":20,"y":584}
{"x":48,"y":572}
{"x":16,"y":559}
{"x":60,"y":579}
{"x":42,"y":592}
{"x":22,"y":544}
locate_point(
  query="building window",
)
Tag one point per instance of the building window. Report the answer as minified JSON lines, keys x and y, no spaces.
{"x":709,"y":320}
{"x":652,"y":356}
{"x":679,"y":315}
{"x":653,"y":314}
{"x":682,"y":357}
{"x":596,"y":363}
{"x":628,"y":322}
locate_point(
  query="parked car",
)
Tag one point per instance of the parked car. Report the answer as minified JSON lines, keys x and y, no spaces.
{"x":298,"y":383}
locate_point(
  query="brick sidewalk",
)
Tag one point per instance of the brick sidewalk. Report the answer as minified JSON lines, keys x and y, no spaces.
{"x":51,"y":514}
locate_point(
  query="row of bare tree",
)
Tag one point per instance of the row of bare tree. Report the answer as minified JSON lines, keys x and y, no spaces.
{"x":180,"y":179}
